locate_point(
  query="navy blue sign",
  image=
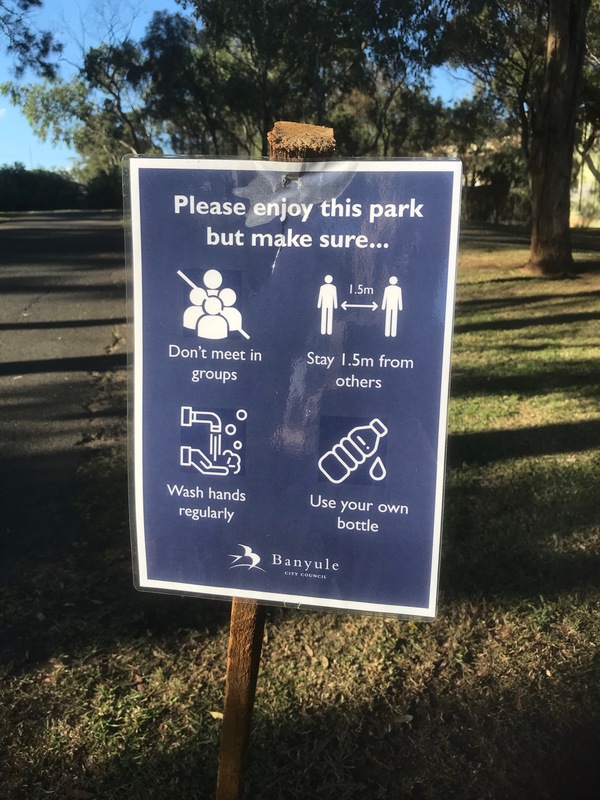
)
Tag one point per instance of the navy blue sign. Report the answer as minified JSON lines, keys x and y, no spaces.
{"x":292,"y":348}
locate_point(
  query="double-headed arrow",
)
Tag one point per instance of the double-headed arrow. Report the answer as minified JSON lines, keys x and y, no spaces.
{"x":372,"y":306}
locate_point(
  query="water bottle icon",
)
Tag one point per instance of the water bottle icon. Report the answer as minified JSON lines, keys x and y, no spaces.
{"x":352,"y":450}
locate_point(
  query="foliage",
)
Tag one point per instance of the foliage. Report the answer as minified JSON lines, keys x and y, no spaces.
{"x":26,"y":190}
{"x":502,"y":43}
{"x":191,"y":89}
{"x":95,"y":112}
{"x":403,"y":121}
{"x":530,"y":58}
{"x":588,"y":139}
{"x":213,"y":79}
{"x":494,"y":169}
{"x":104,"y":189}
{"x":217,"y":84}
{"x":31,"y":49}
{"x":51,"y":107}
{"x":301,"y":61}
{"x":22,"y":189}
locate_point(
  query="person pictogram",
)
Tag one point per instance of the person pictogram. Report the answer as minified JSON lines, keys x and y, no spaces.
{"x":392,"y":304}
{"x":327,"y":302}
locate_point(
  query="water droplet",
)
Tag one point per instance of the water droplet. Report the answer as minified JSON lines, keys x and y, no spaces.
{"x":377,"y":471}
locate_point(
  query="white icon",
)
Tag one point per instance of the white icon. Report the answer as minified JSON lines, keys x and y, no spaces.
{"x":353,"y":450}
{"x":253,"y":560}
{"x":327,"y":302}
{"x":392,"y":304}
{"x":216,"y":461}
{"x":212,"y":313}
{"x":377,"y":470}
{"x":373,"y":305}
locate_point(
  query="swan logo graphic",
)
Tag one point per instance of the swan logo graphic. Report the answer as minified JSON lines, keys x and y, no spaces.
{"x":247,"y":559}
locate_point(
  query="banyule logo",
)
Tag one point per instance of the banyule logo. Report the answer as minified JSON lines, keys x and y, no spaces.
{"x":293,"y":567}
{"x":248,"y":559}
{"x":304,"y":567}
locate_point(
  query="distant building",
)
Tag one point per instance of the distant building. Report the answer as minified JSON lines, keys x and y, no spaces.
{"x":585,"y":194}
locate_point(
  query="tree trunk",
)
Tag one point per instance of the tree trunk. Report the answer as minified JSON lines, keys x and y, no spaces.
{"x":552,"y":139}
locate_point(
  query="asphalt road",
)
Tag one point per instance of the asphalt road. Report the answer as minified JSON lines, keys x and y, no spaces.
{"x":62,"y":329}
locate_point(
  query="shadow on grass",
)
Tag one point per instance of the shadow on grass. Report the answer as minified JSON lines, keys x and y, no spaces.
{"x":494,"y":240}
{"x":521,"y":530}
{"x":590,"y":267}
{"x":580,"y":377}
{"x":518,"y":516}
{"x":527,"y":322}
{"x":490,"y":237}
{"x":74,"y":592}
{"x":486,"y":235}
{"x":487,"y":447}
{"x":370,"y":751}
{"x":77,"y":579}
{"x":405,"y":742}
{"x":511,"y":301}
{"x":333,"y":747}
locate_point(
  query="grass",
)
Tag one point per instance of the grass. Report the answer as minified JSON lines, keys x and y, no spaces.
{"x":112,"y":694}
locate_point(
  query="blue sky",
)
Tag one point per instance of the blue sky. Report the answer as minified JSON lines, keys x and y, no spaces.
{"x":77,"y":24}
{"x":82,"y":23}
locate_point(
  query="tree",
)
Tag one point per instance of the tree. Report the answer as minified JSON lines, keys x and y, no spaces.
{"x":531,"y":57}
{"x":494,"y":173}
{"x":192,"y":89}
{"x":31,"y":190}
{"x":165,"y":92}
{"x":217,"y":83}
{"x":589,"y":130}
{"x":553,"y":137}
{"x":388,"y":121}
{"x":35,"y":50}
{"x":99,"y":112}
{"x":305,"y":60}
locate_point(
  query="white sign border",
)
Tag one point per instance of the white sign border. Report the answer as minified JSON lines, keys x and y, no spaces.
{"x":135,"y":165}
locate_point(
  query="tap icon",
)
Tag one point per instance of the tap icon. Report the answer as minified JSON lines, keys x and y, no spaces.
{"x":217,"y":461}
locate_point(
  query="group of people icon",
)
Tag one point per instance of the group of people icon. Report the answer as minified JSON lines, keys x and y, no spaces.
{"x":391,"y":304}
{"x":212,"y":314}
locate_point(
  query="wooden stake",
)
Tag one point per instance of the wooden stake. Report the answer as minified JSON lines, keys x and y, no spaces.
{"x":243,"y":659}
{"x":289,"y":141}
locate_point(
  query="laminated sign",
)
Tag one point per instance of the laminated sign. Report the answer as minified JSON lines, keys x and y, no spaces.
{"x":292,"y":327}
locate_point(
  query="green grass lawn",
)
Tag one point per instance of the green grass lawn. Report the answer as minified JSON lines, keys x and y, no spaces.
{"x":111,"y":694}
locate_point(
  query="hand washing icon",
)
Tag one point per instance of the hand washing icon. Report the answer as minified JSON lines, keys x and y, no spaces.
{"x":205,"y":449}
{"x":361,"y":443}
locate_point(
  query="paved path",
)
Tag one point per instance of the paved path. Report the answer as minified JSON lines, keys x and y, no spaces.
{"x":62,"y":325}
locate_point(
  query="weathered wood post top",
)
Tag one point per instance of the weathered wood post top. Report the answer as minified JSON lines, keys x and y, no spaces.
{"x":296,"y":141}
